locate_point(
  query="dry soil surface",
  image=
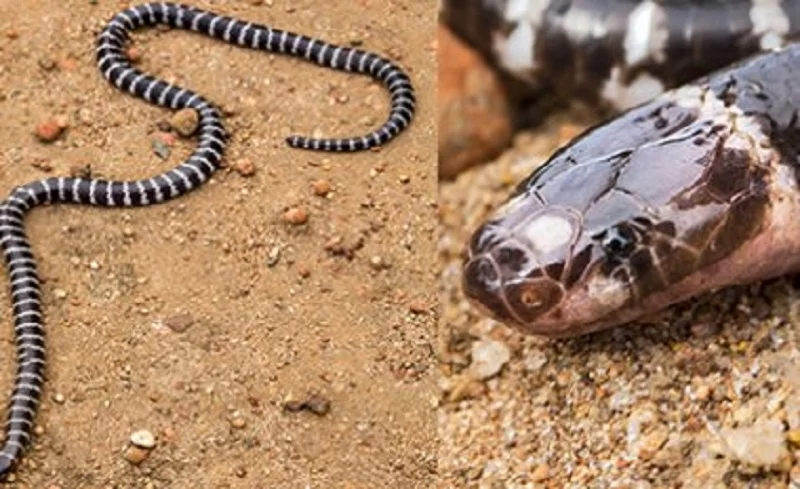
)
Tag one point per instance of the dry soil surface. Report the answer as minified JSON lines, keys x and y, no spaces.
{"x":706,"y":395}
{"x":203,"y":319}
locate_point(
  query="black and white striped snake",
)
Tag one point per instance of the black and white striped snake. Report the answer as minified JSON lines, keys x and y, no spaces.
{"x":198,"y":168}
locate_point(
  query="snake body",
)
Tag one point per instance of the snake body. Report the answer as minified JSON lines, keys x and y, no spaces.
{"x":616,"y":53}
{"x":197,"y":169}
{"x":693,"y":191}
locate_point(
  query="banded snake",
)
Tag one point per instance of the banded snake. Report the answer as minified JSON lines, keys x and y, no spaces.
{"x":192,"y":173}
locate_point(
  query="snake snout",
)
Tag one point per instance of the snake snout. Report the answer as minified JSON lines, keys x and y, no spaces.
{"x":483,"y":286}
{"x":507,"y":297}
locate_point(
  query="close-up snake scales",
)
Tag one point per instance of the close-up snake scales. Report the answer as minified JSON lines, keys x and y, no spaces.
{"x":192,"y":173}
{"x":693,"y":187}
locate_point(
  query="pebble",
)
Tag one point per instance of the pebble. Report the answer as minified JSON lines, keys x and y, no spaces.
{"x":245,"y":167}
{"x":488,"y":358}
{"x":540,"y":473}
{"x":238,"y":422}
{"x":143,"y":439}
{"x":761,"y":445}
{"x":304,"y":271}
{"x":296,"y":216}
{"x":80,"y":171}
{"x":418,"y":307}
{"x":321,"y":188}
{"x":315,"y":403}
{"x":60,"y":293}
{"x":179,"y":323}
{"x":474,"y":124}
{"x":274,"y":256}
{"x":136,"y":455}
{"x":134,"y":55}
{"x":185,"y":121}
{"x":47,"y":64}
{"x":377,"y":263}
{"x":794,"y":437}
{"x":160,"y":148}
{"x":50,"y":130}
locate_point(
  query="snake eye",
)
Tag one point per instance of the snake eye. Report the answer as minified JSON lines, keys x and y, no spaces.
{"x":618,"y":241}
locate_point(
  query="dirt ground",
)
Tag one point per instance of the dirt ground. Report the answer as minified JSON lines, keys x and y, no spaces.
{"x":200,"y":319}
{"x":706,"y":395}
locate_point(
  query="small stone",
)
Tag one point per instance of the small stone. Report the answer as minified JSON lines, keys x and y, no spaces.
{"x":80,"y":171}
{"x":47,"y":64}
{"x":134,"y":55}
{"x":377,"y":263}
{"x":404,"y":179}
{"x":44,"y":166}
{"x":136,"y":455}
{"x":143,"y":439}
{"x":179,"y":323}
{"x":488,"y":358}
{"x":418,"y":307}
{"x":314,"y":402}
{"x":238,"y":422}
{"x":319,"y":405}
{"x":703,"y":393}
{"x":762,"y":445}
{"x":651,"y":443}
{"x":166,"y":137}
{"x":794,"y":437}
{"x":60,"y":293}
{"x":160,"y":148}
{"x":296,"y":216}
{"x":321,"y":188}
{"x":185,"y":121}
{"x":245,"y":167}
{"x":48,"y":131}
{"x":240,"y":472}
{"x":59,"y":398}
{"x":128,"y":232}
{"x":540,"y":473}
{"x":474,"y":123}
{"x":274,"y":256}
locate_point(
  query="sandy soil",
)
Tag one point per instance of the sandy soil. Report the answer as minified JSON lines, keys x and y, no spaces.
{"x":705,"y":396}
{"x":200,"y":318}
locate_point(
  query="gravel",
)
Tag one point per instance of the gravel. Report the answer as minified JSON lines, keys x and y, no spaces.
{"x":707,"y":394}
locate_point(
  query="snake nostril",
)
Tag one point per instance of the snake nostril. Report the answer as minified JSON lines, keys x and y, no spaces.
{"x":481,"y":275}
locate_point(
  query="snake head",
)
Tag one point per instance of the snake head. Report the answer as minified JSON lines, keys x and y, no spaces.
{"x":533,"y":268}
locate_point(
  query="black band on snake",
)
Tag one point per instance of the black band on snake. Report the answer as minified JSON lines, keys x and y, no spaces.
{"x":197,"y":169}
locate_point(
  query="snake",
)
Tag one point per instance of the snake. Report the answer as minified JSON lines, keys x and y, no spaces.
{"x":693,"y":186}
{"x":117,"y":69}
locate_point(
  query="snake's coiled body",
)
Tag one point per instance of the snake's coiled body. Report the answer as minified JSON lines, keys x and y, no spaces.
{"x":197,"y":169}
{"x":693,"y":191}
